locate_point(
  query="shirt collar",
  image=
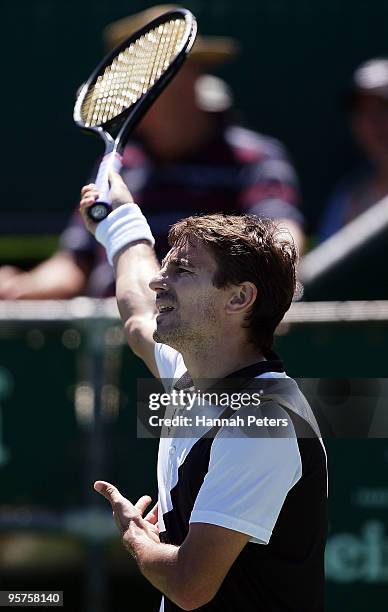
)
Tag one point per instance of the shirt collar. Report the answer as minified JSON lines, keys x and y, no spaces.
{"x":241,"y":377}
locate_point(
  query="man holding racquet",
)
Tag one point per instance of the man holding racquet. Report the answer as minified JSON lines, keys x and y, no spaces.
{"x":240,"y":522}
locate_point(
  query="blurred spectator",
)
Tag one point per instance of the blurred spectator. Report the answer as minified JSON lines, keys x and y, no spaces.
{"x":367,"y":102}
{"x":187,"y":157}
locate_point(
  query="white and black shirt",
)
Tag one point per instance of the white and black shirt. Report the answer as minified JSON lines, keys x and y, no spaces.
{"x":272,"y":489}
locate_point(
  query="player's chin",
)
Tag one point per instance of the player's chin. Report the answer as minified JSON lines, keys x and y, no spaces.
{"x":161,"y":333}
{"x":165,"y":331}
{"x":158,"y":333}
{"x":166,"y":320}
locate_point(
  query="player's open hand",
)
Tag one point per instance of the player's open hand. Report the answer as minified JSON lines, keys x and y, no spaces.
{"x":129,"y":517}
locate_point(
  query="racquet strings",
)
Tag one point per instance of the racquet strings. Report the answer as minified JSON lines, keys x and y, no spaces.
{"x":133,"y":72}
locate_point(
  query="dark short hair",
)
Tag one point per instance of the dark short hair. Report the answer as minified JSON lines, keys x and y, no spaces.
{"x":247,"y":248}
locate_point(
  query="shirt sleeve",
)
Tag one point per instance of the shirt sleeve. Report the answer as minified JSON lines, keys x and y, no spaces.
{"x":246,"y":484}
{"x":169,"y":363}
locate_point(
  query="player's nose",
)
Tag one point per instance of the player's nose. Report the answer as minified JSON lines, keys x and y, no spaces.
{"x":159,"y":282}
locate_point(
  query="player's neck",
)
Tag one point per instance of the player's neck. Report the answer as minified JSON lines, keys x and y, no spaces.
{"x":219,"y":361}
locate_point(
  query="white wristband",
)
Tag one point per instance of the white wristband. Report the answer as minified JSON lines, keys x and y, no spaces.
{"x":122,"y":226}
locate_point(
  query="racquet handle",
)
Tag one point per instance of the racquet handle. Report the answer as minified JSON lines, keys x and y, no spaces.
{"x":102,"y":207}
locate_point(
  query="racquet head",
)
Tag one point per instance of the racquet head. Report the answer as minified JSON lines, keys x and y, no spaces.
{"x":125,"y":84}
{"x":128,"y":80}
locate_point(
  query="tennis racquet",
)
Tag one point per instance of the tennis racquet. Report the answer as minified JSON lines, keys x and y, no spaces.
{"x":125,"y":84}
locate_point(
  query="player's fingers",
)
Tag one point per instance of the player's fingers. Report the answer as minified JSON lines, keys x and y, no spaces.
{"x":92,"y":193}
{"x":109,"y":491}
{"x":89,"y":194}
{"x":152,"y":516}
{"x":88,"y":200}
{"x":84,"y":205}
{"x":143,"y":503}
{"x":119,"y":524}
{"x":85,"y":188}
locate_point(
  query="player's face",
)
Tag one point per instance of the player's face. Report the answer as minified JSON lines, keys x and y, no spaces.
{"x":190,"y":307}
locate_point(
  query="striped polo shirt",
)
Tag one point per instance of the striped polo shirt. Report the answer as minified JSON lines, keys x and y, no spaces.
{"x":272,"y":489}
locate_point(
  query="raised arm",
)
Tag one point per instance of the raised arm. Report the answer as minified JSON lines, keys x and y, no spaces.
{"x":135,"y":263}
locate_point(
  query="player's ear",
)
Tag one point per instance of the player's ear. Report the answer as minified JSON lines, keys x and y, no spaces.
{"x":241,"y":298}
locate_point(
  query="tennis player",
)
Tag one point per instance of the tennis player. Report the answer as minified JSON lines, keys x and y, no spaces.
{"x":240,"y":522}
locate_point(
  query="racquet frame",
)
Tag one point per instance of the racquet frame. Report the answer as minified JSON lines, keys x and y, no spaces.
{"x":115,"y":132}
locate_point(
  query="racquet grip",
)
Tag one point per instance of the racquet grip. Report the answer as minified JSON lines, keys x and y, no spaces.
{"x":102,"y":207}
